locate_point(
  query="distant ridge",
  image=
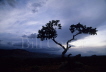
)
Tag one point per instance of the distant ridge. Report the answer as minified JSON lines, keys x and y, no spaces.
{"x":23,"y":53}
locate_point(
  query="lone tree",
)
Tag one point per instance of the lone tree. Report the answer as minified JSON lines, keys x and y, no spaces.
{"x":49,"y":32}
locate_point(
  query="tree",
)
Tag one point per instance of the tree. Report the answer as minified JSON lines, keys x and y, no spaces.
{"x":49,"y":32}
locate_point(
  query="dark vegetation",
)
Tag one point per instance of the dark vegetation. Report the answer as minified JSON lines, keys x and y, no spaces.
{"x":30,"y":64}
{"x":49,"y":32}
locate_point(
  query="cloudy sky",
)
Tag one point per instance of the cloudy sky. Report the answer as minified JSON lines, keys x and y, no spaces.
{"x":20,"y":21}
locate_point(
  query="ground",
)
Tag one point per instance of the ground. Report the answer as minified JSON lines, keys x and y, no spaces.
{"x":82,"y":64}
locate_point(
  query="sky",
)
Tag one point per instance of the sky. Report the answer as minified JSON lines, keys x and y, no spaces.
{"x":20,"y":21}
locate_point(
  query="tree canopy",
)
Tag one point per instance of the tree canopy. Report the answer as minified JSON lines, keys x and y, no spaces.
{"x":49,"y":32}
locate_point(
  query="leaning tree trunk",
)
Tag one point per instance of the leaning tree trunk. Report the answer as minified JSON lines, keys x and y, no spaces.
{"x":63,"y":54}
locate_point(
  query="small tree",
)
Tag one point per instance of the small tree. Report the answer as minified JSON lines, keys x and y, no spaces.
{"x":49,"y":32}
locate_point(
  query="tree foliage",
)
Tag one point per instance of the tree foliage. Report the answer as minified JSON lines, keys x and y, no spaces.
{"x":83,"y":29}
{"x":49,"y":32}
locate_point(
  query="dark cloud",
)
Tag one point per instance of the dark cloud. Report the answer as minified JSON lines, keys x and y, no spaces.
{"x":9,"y":37}
{"x":21,"y":44}
{"x":1,"y":41}
{"x":9,"y":2}
{"x":2,"y":2}
{"x":24,"y":36}
{"x":33,"y":35}
{"x":35,"y":6}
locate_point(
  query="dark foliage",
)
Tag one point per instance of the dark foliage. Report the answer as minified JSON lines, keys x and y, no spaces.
{"x":49,"y":32}
{"x":83,"y":29}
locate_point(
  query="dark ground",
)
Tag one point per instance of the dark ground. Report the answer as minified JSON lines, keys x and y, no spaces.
{"x":74,"y":64}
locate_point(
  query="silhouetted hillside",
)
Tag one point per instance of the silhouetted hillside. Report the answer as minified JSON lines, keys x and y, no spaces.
{"x":22,"y":53}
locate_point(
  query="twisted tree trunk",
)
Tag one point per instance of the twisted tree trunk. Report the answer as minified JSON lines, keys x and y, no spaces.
{"x":63,"y":53}
{"x":65,"y":49}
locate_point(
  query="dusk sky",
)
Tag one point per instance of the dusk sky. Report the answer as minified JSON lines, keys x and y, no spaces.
{"x":20,"y":21}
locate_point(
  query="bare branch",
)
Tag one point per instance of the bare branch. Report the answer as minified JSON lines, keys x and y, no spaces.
{"x":72,"y":39}
{"x":69,"y":47}
{"x":58,"y":43}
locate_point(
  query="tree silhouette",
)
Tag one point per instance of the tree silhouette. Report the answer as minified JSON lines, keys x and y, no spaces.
{"x":49,"y":32}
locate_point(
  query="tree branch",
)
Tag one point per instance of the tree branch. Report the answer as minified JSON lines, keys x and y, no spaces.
{"x":72,"y":39}
{"x":58,"y":43}
{"x":69,"y":47}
